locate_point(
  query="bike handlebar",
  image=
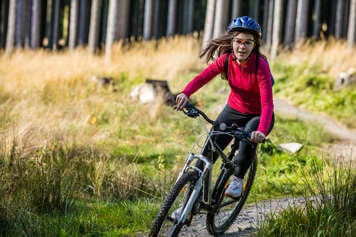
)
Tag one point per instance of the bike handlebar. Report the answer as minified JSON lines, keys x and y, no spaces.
{"x":193,"y":112}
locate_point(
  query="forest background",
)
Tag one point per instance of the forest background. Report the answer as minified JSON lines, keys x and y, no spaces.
{"x":77,"y":159}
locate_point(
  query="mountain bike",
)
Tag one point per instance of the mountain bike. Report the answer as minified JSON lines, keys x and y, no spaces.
{"x":194,"y":193}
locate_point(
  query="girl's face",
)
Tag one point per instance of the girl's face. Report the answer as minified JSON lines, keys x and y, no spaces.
{"x":243,"y":44}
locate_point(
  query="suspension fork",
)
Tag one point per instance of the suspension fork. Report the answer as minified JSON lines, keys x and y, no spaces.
{"x":198,"y":184}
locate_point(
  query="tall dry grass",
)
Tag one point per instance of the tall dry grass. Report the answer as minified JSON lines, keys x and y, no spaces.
{"x":46,"y":95}
{"x":161,"y":59}
{"x":334,"y":56}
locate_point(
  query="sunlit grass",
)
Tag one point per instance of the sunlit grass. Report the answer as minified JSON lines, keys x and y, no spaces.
{"x":164,"y":59}
{"x":330,"y":198}
{"x":45,"y":94}
{"x":58,"y":129}
{"x":332,"y":56}
{"x":306,"y":77}
{"x":88,"y":219}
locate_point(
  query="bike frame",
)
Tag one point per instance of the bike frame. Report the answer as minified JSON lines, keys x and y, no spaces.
{"x":205,"y":175}
{"x":195,"y":185}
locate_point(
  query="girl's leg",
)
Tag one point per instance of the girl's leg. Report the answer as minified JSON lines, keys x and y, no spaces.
{"x":247,"y":151}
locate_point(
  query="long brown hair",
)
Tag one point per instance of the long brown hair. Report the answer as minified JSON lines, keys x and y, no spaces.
{"x":223,"y":44}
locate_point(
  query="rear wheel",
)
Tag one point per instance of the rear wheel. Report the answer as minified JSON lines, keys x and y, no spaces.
{"x":220,"y":218}
{"x":165,"y":224}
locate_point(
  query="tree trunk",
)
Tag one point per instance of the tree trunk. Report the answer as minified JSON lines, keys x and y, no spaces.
{"x":339,"y":18}
{"x":156,"y":18}
{"x":36,"y":24}
{"x":19,"y":30}
{"x":264,"y":21}
{"x":172,"y":18}
{"x":302,"y":20}
{"x":290,"y":24}
{"x":277,"y":27}
{"x":351,"y":32}
{"x":220,"y":21}
{"x":147,"y":25}
{"x":73,"y":24}
{"x":111,"y":32}
{"x":83,"y":23}
{"x":236,"y":8}
{"x":188,"y":16}
{"x":331,"y":18}
{"x":48,"y":23}
{"x":345,"y":18}
{"x":10,"y":37}
{"x":254,"y":9}
{"x":104,"y":23}
{"x":269,"y":29}
{"x":4,"y":7}
{"x":55,"y":24}
{"x":209,"y":22}
{"x":316,"y":28}
{"x":123,"y":20}
{"x":94,"y":28}
{"x":27,"y":23}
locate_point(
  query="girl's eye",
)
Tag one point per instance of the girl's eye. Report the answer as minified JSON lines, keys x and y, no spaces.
{"x":243,"y":42}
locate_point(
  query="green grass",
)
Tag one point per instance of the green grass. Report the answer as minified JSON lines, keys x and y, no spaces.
{"x":79,"y":161}
{"x":298,"y":82}
{"x":278,"y":174}
{"x":106,"y":194}
{"x":331,"y":214}
{"x":100,"y":187}
{"x":85,"y":219}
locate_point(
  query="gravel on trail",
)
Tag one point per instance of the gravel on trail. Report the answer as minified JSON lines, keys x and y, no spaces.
{"x":248,"y":220}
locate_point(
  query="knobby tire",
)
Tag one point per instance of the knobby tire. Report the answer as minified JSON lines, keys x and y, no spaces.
{"x":166,"y":208}
{"x":220,"y":187}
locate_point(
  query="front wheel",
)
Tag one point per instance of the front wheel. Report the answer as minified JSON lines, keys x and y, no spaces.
{"x":220,"y":218}
{"x":165,"y":224}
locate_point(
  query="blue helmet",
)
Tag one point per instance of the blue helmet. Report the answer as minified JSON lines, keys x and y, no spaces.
{"x":245,"y":23}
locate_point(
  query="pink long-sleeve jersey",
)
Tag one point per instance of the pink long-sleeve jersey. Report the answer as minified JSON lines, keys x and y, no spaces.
{"x":249,"y":94}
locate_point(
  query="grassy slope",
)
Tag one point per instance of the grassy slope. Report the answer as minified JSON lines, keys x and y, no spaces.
{"x":310,"y":73}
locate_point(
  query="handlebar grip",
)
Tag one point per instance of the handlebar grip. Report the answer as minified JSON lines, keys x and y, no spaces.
{"x":189,"y":105}
{"x":194,"y":112}
{"x":190,"y":110}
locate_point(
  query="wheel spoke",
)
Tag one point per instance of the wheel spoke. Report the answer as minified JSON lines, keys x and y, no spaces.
{"x":227,"y":202}
{"x":166,"y":221}
{"x":221,"y":218}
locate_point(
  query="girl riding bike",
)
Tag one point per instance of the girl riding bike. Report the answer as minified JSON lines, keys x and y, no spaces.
{"x":250,"y":102}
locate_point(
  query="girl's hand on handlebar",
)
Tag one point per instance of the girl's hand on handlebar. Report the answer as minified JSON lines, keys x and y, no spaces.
{"x":181,"y":101}
{"x":257,"y":137}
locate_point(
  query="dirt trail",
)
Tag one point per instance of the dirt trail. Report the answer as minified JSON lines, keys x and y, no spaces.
{"x":344,"y":150}
{"x":247,"y":221}
{"x":329,"y":124}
